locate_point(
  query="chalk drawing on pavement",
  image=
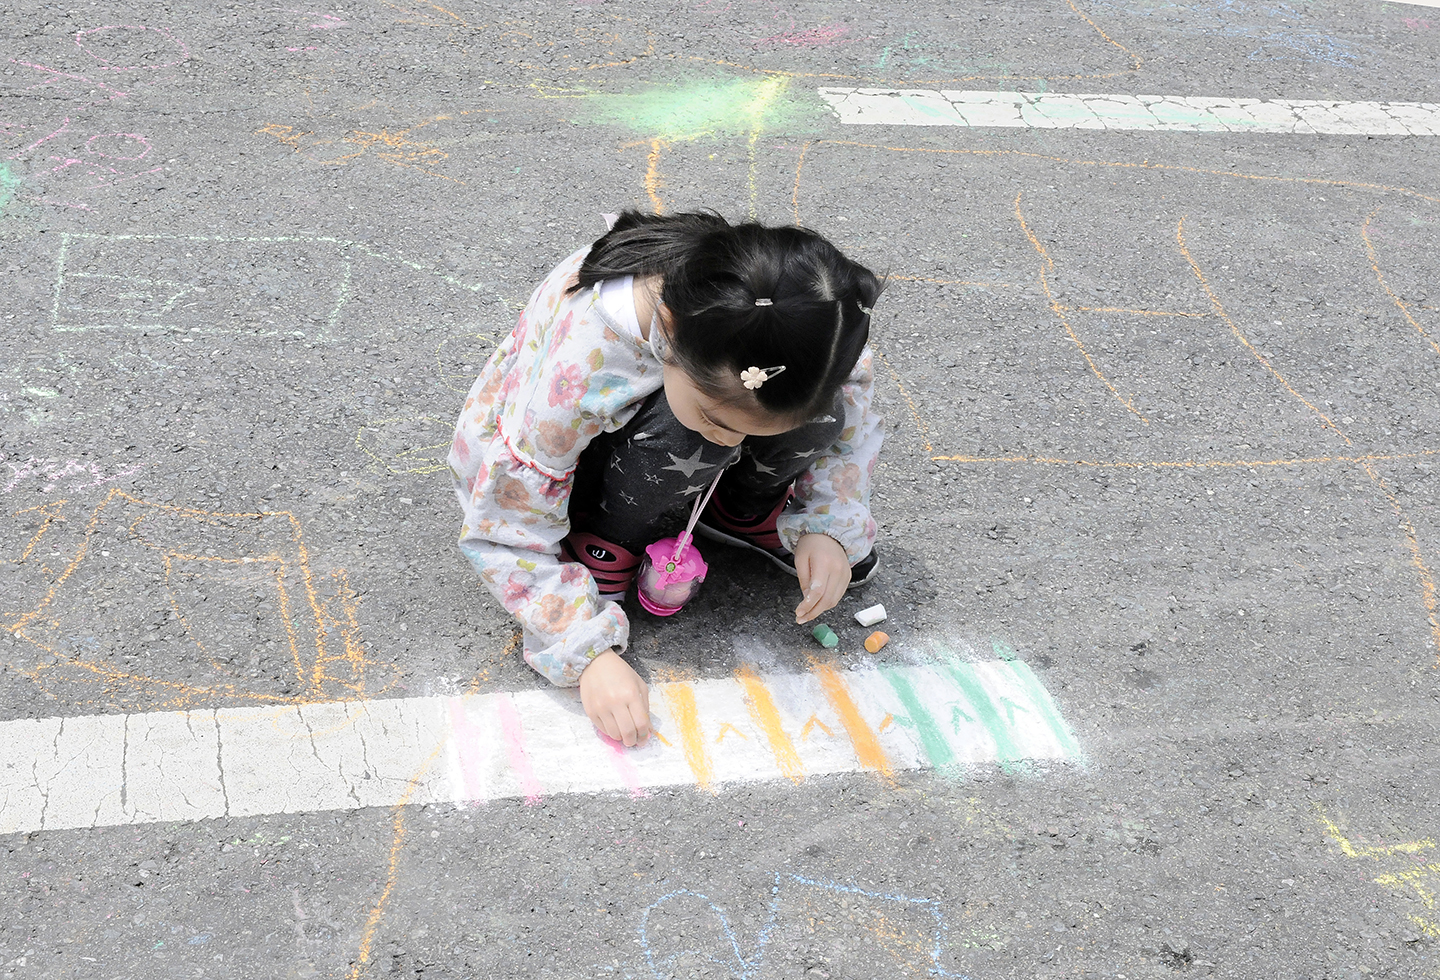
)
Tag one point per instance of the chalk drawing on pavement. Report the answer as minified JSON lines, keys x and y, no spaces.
{"x":946,"y":714}
{"x":263,"y":287}
{"x":1407,"y":866}
{"x":845,"y":930}
{"x":222,"y":598}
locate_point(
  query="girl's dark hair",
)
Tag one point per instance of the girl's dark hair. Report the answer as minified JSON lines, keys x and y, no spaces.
{"x":816,"y":323}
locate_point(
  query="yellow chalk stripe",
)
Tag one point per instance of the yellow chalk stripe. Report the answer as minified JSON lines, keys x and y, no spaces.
{"x":680,"y":698}
{"x":762,"y":710}
{"x":867,"y":746}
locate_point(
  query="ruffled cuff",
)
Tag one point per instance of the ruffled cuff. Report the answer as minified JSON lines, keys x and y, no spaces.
{"x":562,"y":658}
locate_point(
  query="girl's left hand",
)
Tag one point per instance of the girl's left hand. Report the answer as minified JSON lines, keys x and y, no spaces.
{"x":824,"y":571}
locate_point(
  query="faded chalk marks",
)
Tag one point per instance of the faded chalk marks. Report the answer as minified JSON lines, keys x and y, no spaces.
{"x":1139,"y":113}
{"x":316,"y":288}
{"x":106,"y":770}
{"x":9,"y":184}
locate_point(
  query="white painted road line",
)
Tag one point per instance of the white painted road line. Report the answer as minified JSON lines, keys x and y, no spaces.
{"x":109,"y":770}
{"x":1418,"y":3}
{"x":1134,"y":113}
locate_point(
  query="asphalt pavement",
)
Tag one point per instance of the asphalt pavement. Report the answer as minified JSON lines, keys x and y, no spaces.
{"x":1158,"y":512}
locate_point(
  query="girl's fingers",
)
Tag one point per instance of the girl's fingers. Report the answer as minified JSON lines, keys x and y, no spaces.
{"x":641,"y":721}
{"x":813,"y":596}
{"x":625,"y":725}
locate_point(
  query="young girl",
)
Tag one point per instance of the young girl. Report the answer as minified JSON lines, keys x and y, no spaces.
{"x":676,"y":350}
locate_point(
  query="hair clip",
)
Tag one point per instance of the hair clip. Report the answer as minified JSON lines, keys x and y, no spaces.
{"x":764,"y":302}
{"x":865,"y":309}
{"x":754,"y":377}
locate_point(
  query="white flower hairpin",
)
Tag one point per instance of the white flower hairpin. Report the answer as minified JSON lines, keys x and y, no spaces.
{"x":753,"y":377}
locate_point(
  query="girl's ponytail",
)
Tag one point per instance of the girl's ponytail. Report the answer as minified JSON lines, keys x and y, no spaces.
{"x":745,"y":296}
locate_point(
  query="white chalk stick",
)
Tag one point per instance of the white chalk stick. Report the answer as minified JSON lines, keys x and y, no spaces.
{"x":871,"y":616}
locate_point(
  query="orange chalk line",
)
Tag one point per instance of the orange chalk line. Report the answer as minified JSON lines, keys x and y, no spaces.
{"x":680,"y":699}
{"x":1142,"y":165}
{"x":799,"y":166}
{"x":1399,"y":303}
{"x":372,"y":921}
{"x":1417,"y":557}
{"x":186,"y":693}
{"x":767,"y":718}
{"x":956,"y":282}
{"x":1187,"y":464}
{"x":914,"y":412}
{"x":652,"y":176}
{"x":1047,"y":267}
{"x":1122,"y":309}
{"x":867,"y":746}
{"x":1235,"y":330}
{"x":1135,"y":59}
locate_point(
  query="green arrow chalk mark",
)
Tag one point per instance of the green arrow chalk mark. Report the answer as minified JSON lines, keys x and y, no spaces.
{"x":969,"y":682}
{"x":1039,"y":697}
{"x":931,"y":737}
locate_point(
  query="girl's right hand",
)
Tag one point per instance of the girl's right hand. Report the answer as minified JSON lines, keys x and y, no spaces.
{"x":616,"y":700}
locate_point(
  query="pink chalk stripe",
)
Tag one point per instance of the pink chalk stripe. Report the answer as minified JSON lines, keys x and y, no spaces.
{"x":628,"y":773}
{"x":470,"y":747}
{"x":515,"y":742}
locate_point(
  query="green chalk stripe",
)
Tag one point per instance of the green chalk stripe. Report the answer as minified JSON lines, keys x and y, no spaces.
{"x":964,"y":674}
{"x":931,"y":735}
{"x":1039,"y":697}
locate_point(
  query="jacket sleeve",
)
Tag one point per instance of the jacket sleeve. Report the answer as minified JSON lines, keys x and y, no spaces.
{"x":515,"y":518}
{"x":834,"y":493}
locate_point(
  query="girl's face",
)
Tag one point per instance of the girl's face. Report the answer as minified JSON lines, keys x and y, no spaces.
{"x":723,"y":423}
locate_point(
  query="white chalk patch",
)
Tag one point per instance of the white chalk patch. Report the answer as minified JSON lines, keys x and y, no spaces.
{"x":109,"y":770}
{"x":1135,"y":113}
{"x":1417,"y":3}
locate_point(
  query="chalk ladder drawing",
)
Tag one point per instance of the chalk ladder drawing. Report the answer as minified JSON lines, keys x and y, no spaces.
{"x":109,"y":283}
{"x":908,"y":936}
{"x":108,"y":770}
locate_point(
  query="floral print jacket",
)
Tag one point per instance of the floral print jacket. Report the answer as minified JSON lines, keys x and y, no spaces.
{"x":564,"y":375}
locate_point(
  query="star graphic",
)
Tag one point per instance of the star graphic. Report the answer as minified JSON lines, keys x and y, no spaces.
{"x":653,"y":478}
{"x":627,"y":498}
{"x":689,"y":465}
{"x":615,"y":464}
{"x":806,"y":455}
{"x":762,"y":468}
{"x":691,"y":491}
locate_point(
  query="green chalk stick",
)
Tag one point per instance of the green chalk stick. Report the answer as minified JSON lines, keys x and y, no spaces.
{"x":826,"y":636}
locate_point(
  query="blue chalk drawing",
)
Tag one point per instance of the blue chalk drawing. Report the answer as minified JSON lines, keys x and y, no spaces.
{"x":732,"y":959}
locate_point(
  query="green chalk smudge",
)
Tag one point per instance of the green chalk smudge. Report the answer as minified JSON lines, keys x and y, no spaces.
{"x":9,"y":184}
{"x":690,"y":110}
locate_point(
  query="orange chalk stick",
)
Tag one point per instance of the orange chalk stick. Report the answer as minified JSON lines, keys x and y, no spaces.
{"x":876,"y":640}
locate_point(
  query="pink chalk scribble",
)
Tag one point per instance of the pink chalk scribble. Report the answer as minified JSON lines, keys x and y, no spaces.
{"x":50,"y":472}
{"x":327,"y":22}
{"x":105,"y":64}
{"x":117,"y":156}
{"x":60,"y":75}
{"x":1416,"y":24}
{"x":816,"y":37}
{"x":309,"y":47}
